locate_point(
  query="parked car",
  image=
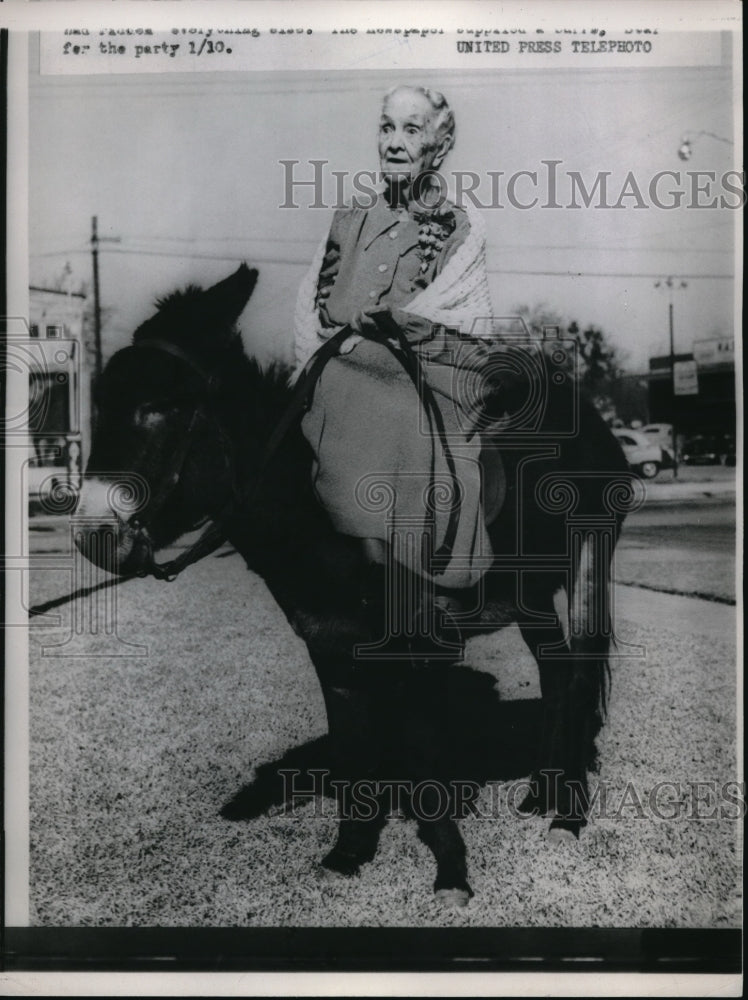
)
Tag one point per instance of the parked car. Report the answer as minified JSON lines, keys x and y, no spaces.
{"x":643,"y":455}
{"x":661,"y":434}
{"x":709,"y":449}
{"x":727,"y":451}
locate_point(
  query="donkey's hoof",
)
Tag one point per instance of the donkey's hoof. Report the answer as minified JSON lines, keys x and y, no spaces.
{"x":328,"y":876}
{"x":337,"y":865}
{"x":564,"y":831}
{"x":453,"y":897}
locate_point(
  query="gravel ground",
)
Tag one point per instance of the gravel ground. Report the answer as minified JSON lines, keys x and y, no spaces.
{"x":132,"y":757}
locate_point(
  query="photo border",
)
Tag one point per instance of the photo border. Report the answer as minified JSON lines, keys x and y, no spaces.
{"x":589,"y":951}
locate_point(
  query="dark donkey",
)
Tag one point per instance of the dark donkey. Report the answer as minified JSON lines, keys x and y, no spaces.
{"x":187,"y":415}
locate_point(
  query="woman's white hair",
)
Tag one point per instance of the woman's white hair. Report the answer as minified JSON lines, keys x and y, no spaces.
{"x":444,"y":119}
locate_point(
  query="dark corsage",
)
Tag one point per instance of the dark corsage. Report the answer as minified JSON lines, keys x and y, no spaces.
{"x":434,"y":228}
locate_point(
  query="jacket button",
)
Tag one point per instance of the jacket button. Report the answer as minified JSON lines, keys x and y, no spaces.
{"x":393,"y":234}
{"x":372,"y":295}
{"x":382,"y":268}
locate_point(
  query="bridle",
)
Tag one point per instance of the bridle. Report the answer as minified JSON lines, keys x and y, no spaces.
{"x":215,"y":533}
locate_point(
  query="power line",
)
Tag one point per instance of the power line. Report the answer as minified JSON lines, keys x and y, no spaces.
{"x":493,"y":248}
{"x":60,"y":253}
{"x":610,"y":274}
{"x":612,"y":249}
{"x":208,"y":256}
{"x":220,"y":239}
{"x":491,"y":270}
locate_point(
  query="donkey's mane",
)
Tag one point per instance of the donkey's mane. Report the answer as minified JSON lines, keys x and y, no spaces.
{"x":176,"y":319}
{"x":264,"y":388}
{"x":178,"y":299}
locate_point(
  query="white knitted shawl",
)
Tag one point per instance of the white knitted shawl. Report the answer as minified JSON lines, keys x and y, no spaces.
{"x":457,"y":298}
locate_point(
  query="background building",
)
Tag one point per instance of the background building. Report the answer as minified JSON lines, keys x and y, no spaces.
{"x":59,"y":413}
{"x":710,"y":409}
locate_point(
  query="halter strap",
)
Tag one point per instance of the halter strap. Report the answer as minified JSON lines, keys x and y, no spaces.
{"x":168,"y":347}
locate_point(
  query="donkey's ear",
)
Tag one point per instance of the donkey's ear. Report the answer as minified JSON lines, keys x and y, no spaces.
{"x":228,"y":298}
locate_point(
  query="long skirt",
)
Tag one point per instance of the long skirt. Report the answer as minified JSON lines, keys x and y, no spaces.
{"x":380,"y":469}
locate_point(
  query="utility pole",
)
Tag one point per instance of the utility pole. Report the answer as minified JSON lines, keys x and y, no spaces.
{"x":97,"y":303}
{"x":95,"y":241}
{"x":672,"y":384}
{"x":670,"y":284}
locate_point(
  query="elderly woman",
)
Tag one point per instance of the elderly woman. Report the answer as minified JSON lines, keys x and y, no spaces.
{"x":415,"y":260}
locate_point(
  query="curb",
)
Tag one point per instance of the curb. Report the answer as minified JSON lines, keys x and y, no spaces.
{"x":676,"y":492}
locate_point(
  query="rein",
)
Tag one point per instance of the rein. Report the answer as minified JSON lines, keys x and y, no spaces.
{"x":412,"y":365}
{"x":215,"y":534}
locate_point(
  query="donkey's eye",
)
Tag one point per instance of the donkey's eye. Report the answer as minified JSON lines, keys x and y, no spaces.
{"x":157,"y":411}
{"x":149,"y":415}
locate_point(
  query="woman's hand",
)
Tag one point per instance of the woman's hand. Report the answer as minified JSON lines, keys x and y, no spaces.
{"x":365,"y":327}
{"x":349,"y":343}
{"x":373,"y":323}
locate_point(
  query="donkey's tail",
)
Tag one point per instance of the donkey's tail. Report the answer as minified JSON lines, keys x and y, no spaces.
{"x":591,"y":631}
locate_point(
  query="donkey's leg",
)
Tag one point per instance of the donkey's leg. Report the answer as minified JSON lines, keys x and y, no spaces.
{"x":581,"y":717}
{"x":443,"y":838}
{"x":431,"y":796}
{"x":354,"y":724}
{"x":559,"y":783}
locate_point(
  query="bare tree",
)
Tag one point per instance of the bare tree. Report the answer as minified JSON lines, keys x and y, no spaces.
{"x":597,"y":363}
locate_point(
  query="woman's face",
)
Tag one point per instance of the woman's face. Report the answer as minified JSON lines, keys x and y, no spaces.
{"x":407,"y":138}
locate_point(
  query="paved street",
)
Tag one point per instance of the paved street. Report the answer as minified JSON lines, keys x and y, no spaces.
{"x":686,"y":547}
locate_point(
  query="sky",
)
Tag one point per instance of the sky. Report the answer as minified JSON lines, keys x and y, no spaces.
{"x":184,"y":172}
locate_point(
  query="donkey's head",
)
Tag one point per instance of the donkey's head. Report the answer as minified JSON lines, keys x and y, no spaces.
{"x":161,"y":458}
